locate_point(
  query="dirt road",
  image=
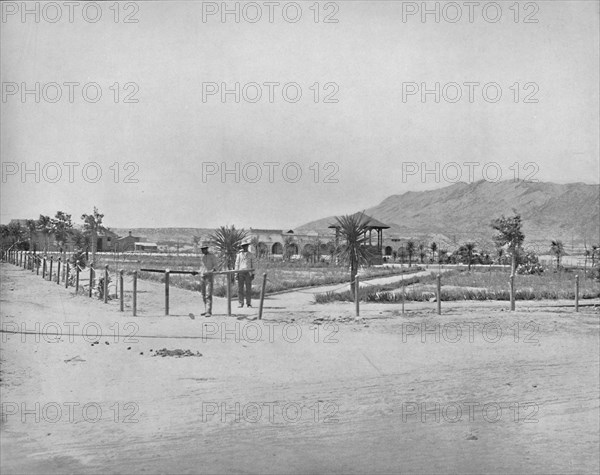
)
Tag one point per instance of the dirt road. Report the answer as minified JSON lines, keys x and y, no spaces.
{"x":307,"y":390}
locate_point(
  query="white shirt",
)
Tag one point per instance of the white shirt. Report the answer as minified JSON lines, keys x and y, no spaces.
{"x":244,"y":260}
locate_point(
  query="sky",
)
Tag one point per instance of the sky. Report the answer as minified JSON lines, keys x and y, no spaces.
{"x":329,"y":117}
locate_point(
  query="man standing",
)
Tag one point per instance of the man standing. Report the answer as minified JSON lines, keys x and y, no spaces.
{"x":245,"y":261}
{"x":209,"y":265}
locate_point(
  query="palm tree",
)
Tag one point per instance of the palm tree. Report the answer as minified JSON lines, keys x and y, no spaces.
{"x":353,"y":229}
{"x":422,"y":252}
{"x":410,"y":250}
{"x":44,"y":225}
{"x":228,"y":241}
{"x":433,"y":248}
{"x":467,"y":251}
{"x":92,"y":224}
{"x":558,"y":249}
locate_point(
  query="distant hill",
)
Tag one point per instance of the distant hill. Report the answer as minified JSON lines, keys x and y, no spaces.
{"x":463,"y":211}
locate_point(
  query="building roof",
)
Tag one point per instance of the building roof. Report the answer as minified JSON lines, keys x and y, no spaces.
{"x":266,"y":231}
{"x":106,"y":232}
{"x":129,"y":236}
{"x":373,"y":223}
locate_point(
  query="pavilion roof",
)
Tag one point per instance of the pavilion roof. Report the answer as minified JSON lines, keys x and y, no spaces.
{"x":373,"y":223}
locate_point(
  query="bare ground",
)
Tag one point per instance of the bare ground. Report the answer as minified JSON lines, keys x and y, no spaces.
{"x":379,"y":394}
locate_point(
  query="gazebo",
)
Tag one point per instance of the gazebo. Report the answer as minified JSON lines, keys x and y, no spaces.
{"x":374,"y":224}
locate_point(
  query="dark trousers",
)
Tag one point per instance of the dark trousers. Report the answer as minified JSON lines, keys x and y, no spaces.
{"x":244,"y":287}
{"x":207,"y":292}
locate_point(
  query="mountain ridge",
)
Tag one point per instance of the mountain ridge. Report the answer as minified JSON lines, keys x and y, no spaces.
{"x":549,"y":210}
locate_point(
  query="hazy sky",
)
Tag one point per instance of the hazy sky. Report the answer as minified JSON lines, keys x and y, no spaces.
{"x":362,"y":142}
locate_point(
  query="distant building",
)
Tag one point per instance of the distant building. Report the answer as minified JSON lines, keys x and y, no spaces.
{"x":106,"y":240}
{"x":276,"y":243}
{"x":146,"y":247}
{"x":127,"y":243}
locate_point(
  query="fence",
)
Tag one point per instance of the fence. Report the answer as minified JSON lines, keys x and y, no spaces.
{"x":68,"y":273}
{"x":71,"y":275}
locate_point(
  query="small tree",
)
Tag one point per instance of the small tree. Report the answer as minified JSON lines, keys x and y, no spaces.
{"x":92,"y":224}
{"x":44,"y":225}
{"x":402,"y":254}
{"x":442,"y":255}
{"x":410,"y":250}
{"x":61,"y":228}
{"x":422,"y":252}
{"x":308,"y":253}
{"x":509,"y":234}
{"x":466,"y":251}
{"x":289,"y":247}
{"x":256,"y":246}
{"x":558,"y":249}
{"x":31,"y":227}
{"x":16,"y":235}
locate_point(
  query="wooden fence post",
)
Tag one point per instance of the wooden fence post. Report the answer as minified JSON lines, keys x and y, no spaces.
{"x":37,"y":266}
{"x":121,"y":306}
{"x":105,"y":283}
{"x":134,"y":303}
{"x":91,"y":281}
{"x":76,"y":279}
{"x":50,"y":273}
{"x":67,"y":275}
{"x":577,"y":293}
{"x":44,"y":268}
{"x":356,"y":294}
{"x":262,"y":296}
{"x":512,"y":292}
{"x":228,"y":277}
{"x":167,"y":275}
{"x":58,"y":271}
{"x":403,"y":296}
{"x":439,"y":294}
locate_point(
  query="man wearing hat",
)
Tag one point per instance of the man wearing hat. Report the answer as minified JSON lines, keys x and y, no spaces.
{"x":209,"y":265}
{"x":245,"y":261}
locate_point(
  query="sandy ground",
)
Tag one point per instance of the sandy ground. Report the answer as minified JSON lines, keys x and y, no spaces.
{"x":310,"y":389}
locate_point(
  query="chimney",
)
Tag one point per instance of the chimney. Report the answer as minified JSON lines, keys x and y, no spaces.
{"x":129,"y":233}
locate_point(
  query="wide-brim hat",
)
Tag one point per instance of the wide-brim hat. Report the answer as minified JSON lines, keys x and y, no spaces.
{"x":205,"y":245}
{"x":246,"y":242}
